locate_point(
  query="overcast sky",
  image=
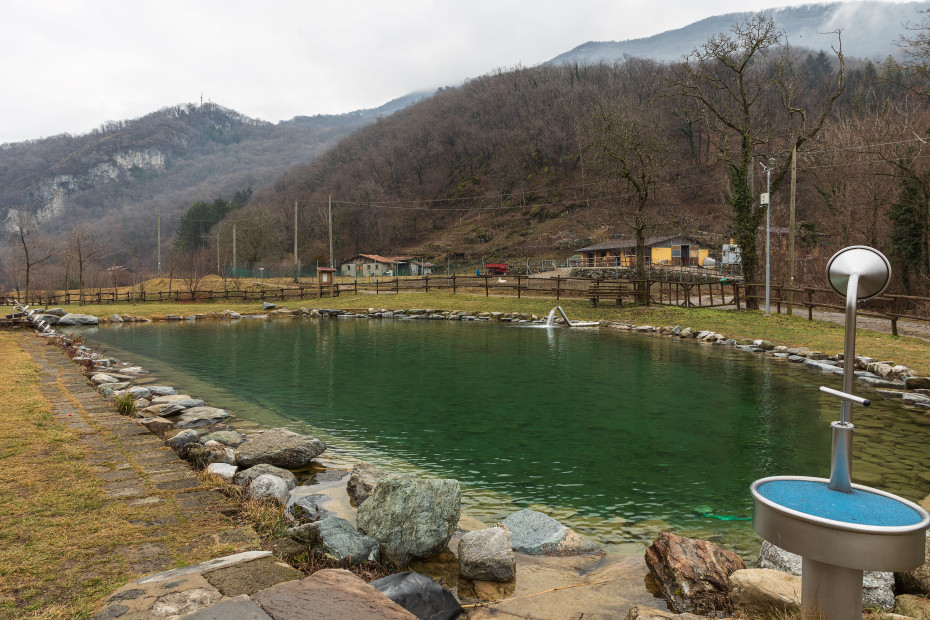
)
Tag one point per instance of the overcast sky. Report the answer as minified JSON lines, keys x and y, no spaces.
{"x":66,"y":66}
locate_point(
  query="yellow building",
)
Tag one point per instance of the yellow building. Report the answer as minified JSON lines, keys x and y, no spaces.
{"x":671,"y":251}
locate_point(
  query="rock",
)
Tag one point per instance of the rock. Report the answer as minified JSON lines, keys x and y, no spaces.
{"x":161,"y":390}
{"x":329,"y":593}
{"x":487,"y":555}
{"x":138,"y":392}
{"x":280,"y":447}
{"x":877,"y":587}
{"x":181,"y":439}
{"x":102,"y":377}
{"x":176,"y":403}
{"x":419,"y":595}
{"x":115,"y":318}
{"x":765,"y":593}
{"x":267,"y":305}
{"x":236,"y":608}
{"x":227,"y":438}
{"x":917,"y":383}
{"x":641,"y":612}
{"x":158,"y":426}
{"x":59,"y":312}
{"x":362,"y":482}
{"x":196,"y":417}
{"x":409,"y":517}
{"x":267,"y":487}
{"x":916,"y":400}
{"x":78,"y":319}
{"x":224,"y":471}
{"x":201,"y":455}
{"x":538,"y":534}
{"x":915,"y":581}
{"x":337,"y":538}
{"x":309,"y":508}
{"x":692,"y":574}
{"x":245,"y":476}
{"x":913,"y":606}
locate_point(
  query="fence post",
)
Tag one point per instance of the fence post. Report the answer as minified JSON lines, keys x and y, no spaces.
{"x":426,"y":282}
{"x":736,"y":294}
{"x":518,"y":287}
{"x":894,"y":316}
{"x":810,"y":304}
{"x":486,"y":292}
{"x":558,"y":287}
{"x":453,"y":284}
{"x":397,"y":284}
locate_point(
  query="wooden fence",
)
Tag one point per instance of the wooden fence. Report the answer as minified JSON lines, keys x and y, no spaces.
{"x":723,"y":293}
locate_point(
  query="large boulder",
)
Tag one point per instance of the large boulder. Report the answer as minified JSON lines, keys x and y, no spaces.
{"x":181,"y":439}
{"x":268,"y":487}
{"x":419,"y":595}
{"x":409,"y":517}
{"x":280,"y":447}
{"x":161,"y":390}
{"x":877,"y":587}
{"x":245,"y":476}
{"x":692,"y":574}
{"x":362,"y":481}
{"x":78,"y":319}
{"x":765,"y":593}
{"x":197,"y":417}
{"x":535,"y":533}
{"x":337,"y":538}
{"x":487,"y":555}
{"x":916,"y":581}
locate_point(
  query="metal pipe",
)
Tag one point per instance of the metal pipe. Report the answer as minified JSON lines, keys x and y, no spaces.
{"x":849,"y":347}
{"x":865,"y":402}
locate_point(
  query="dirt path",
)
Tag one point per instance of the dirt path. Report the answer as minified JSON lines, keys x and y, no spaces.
{"x":914,"y":329}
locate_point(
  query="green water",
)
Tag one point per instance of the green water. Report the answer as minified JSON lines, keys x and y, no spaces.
{"x":617,"y":434}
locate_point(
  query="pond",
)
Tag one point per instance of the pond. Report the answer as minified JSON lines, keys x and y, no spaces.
{"x":614,"y":433}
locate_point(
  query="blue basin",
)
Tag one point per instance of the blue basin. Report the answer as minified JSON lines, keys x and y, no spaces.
{"x":866,"y":529}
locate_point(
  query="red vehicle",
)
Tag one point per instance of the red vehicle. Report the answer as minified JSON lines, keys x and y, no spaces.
{"x":496,"y":269}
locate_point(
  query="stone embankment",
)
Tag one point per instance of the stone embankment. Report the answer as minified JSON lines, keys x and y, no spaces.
{"x":404,"y":521}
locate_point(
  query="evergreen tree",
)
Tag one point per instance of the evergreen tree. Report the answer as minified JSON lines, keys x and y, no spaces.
{"x":908,"y":239}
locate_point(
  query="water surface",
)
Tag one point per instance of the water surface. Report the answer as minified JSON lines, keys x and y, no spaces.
{"x":617,"y":434}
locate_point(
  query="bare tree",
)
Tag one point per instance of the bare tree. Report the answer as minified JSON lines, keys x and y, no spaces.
{"x":84,"y":247}
{"x":36,"y":250}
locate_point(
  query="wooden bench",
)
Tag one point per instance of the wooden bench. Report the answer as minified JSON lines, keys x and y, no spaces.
{"x":613,"y":291}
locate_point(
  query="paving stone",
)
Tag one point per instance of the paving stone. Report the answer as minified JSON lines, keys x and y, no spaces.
{"x":250,"y":577}
{"x":237,"y":608}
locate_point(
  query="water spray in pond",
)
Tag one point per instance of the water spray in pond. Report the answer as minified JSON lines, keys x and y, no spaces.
{"x":550,"y":321}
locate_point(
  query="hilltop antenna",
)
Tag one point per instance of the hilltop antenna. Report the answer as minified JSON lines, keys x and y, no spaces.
{"x":201,"y":99}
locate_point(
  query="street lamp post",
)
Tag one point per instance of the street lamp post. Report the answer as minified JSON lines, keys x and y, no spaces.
{"x":766,"y":200}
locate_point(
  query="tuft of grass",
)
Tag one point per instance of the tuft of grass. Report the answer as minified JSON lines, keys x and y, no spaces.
{"x":125,"y":404}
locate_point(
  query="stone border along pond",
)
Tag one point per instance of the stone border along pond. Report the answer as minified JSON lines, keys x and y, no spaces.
{"x":389,"y":528}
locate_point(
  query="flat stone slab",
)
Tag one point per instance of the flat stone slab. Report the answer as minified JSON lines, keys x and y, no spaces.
{"x":250,"y":577}
{"x":237,"y":608}
{"x":203,"y":567}
{"x":326,"y":594}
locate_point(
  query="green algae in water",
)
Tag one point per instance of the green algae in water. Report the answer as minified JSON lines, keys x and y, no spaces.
{"x":619,"y":435}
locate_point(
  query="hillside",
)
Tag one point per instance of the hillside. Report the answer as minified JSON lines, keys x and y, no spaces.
{"x":120,"y":175}
{"x":869,"y":31}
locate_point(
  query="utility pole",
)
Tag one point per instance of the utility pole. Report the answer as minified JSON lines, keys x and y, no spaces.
{"x":159,"y":243}
{"x":296,"y":268}
{"x":767,"y":201}
{"x":234,"y":250}
{"x":791,"y":224}
{"x":332,"y":261}
{"x":218,"y":255}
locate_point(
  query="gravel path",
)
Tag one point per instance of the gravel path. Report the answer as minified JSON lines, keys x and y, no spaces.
{"x":914,"y":329}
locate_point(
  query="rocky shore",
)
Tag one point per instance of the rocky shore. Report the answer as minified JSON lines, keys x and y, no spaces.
{"x":367,"y":515}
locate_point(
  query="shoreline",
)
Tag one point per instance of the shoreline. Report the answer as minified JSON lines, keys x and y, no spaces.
{"x":814,"y":360}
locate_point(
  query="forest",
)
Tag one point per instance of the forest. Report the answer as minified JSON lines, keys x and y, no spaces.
{"x":537,"y":162}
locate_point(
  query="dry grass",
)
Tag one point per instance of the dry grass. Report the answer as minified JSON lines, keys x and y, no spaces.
{"x":65,"y":544}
